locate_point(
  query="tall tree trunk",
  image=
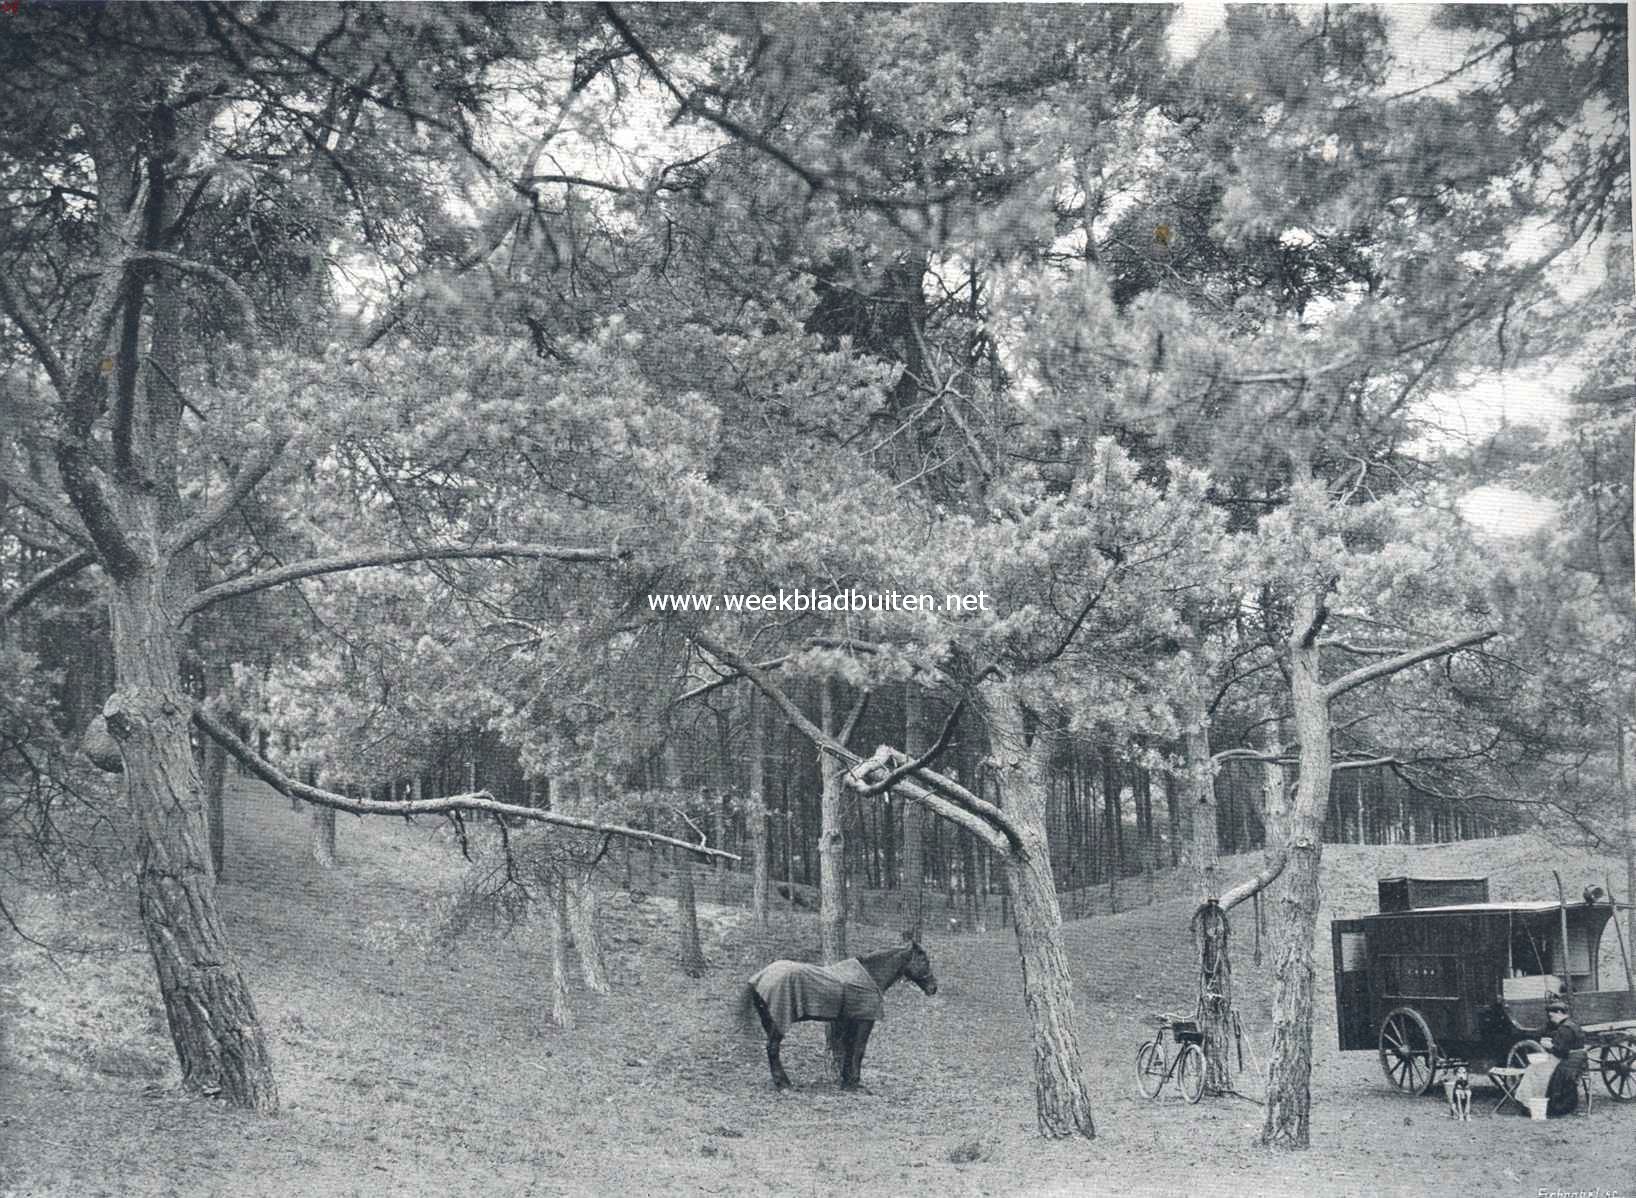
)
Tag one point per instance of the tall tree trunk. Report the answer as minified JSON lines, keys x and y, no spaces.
{"x":323,"y":836}
{"x":212,"y":1017}
{"x":1063,"y":1105}
{"x":831,"y":840}
{"x":584,"y":918}
{"x":1295,"y":914}
{"x":1201,"y":796}
{"x":916,"y":741}
{"x":584,"y":915}
{"x":1173,"y":814}
{"x":562,"y":1011}
{"x":1113,"y":833}
{"x":321,"y":824}
{"x":690,"y":955}
{"x":755,"y":812}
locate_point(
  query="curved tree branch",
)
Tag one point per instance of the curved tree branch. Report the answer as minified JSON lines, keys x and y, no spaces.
{"x":45,"y":580}
{"x":362,"y":559}
{"x":479,"y":801}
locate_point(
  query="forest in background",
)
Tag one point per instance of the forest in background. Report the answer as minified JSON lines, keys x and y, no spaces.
{"x":366,"y":371}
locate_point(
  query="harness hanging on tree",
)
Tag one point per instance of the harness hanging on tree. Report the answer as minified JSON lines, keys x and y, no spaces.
{"x":1260,"y":921}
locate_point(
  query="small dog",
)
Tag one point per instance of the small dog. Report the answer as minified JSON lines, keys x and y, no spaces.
{"x":1458,"y":1089}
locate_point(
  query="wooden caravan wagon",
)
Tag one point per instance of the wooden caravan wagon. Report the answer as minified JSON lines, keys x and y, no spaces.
{"x":1442,"y":975}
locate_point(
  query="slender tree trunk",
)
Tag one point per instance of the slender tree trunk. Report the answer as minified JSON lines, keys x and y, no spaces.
{"x":584,"y":918}
{"x":1295,"y":914}
{"x":1201,"y":793}
{"x":1113,"y":833}
{"x":916,"y":741}
{"x":583,"y":906}
{"x":323,"y":836}
{"x":831,"y":840}
{"x":690,"y":955}
{"x":212,"y":1017}
{"x":1173,"y":815}
{"x":755,"y":812}
{"x":1063,"y":1105}
{"x":562,"y":1011}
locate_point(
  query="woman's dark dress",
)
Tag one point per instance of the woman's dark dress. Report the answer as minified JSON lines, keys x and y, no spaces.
{"x":1568,"y":1046}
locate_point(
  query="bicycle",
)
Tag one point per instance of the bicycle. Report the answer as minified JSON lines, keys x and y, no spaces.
{"x":1155,"y":1064}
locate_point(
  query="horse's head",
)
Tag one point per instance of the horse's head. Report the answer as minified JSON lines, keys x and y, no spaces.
{"x":917,"y":967}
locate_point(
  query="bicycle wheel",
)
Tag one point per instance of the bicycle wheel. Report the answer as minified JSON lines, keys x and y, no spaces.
{"x":1190,"y":1072}
{"x":1151,"y":1068}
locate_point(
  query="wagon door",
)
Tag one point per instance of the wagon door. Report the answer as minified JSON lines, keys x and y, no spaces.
{"x":1354,"y":1004}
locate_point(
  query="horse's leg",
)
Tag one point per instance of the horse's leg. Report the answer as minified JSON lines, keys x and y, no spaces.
{"x":853,"y":1077}
{"x":838,"y":1040}
{"x":775,"y":1064}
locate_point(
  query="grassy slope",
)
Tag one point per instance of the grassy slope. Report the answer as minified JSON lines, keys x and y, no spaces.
{"x":405,"y":1070}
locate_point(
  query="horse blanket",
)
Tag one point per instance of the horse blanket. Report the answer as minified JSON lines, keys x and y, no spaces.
{"x":794,"y":991}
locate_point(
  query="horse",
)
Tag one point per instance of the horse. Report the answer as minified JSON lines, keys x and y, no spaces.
{"x":847,"y":995}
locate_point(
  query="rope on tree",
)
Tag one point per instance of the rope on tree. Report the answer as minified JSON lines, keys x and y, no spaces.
{"x":1218,"y":1020}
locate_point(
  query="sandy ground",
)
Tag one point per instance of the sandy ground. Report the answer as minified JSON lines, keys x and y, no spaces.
{"x":409,"y":1070}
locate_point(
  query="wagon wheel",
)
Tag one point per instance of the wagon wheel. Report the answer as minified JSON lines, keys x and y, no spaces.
{"x":1517,"y":1058}
{"x":1619,"y":1070}
{"x":1151,"y":1068}
{"x":1408,"y":1054}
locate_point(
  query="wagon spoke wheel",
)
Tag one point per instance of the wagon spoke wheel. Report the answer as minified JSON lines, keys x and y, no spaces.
{"x":1517,"y":1058}
{"x":1619,"y":1070}
{"x":1151,"y":1067}
{"x":1408,"y":1054}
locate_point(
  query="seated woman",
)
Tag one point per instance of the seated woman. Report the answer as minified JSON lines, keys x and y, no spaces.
{"x":1567,"y":1044}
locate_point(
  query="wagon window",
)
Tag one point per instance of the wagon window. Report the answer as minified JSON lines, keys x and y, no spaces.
{"x":1421,"y":975}
{"x":1353,"y":952}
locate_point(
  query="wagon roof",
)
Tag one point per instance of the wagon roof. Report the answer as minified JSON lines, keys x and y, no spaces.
{"x":1526,"y":906}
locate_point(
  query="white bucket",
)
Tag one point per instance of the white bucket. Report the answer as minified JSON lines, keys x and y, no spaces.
{"x":1536,"y":1107}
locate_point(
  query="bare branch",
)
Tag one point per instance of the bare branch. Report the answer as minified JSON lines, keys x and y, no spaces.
{"x":856,"y":714}
{"x":35,"y":336}
{"x":479,"y":801}
{"x":247,"y":310}
{"x":1330,"y":642}
{"x":363,"y":559}
{"x":255,"y":468}
{"x":45,"y":505}
{"x":45,"y":580}
{"x":1257,"y":883}
{"x":1403,"y":661}
{"x":930,"y":755}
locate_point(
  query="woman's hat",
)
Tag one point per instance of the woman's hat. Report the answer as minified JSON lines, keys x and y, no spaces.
{"x":1557,"y":1004}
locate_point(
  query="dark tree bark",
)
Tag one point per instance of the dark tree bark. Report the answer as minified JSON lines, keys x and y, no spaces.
{"x":1063,"y":1105}
{"x":213,"y":1019}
